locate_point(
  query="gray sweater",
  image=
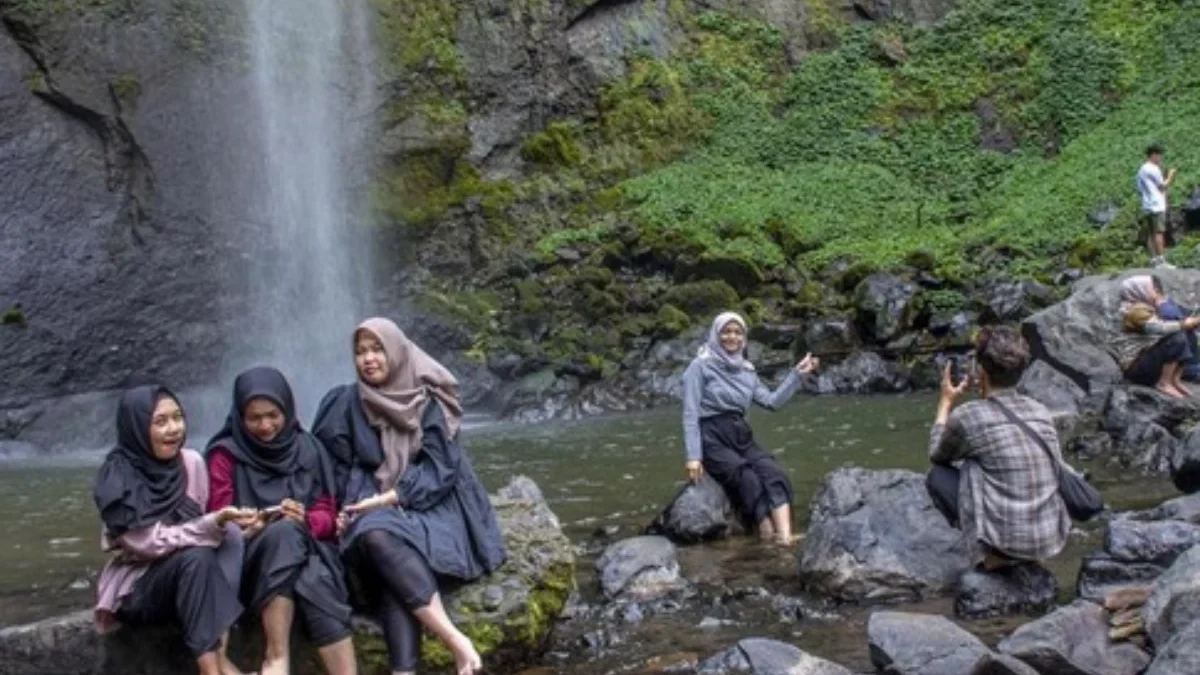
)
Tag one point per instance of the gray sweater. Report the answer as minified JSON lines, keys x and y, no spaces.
{"x":710,"y":388}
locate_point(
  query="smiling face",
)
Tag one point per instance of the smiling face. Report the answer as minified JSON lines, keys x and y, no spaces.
{"x":167,"y":429}
{"x":263,"y":419}
{"x":732,"y":337}
{"x":369,"y":359}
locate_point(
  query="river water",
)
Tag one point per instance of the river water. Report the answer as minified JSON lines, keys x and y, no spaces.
{"x":599,"y":475}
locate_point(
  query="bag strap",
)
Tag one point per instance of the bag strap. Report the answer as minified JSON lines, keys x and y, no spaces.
{"x":1028,"y":431}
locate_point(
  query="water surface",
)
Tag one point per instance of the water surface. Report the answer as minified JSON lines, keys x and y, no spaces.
{"x":599,"y":475}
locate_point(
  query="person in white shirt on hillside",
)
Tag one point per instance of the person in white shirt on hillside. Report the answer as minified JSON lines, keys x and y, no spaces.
{"x":1153,"y":189}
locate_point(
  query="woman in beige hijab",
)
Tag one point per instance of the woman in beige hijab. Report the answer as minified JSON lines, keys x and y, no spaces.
{"x":413,"y":510}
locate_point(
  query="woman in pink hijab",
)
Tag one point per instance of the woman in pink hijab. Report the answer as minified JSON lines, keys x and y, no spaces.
{"x":413,"y":511}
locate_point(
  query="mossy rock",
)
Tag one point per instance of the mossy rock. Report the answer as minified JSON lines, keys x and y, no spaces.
{"x":743,"y":274}
{"x":508,"y":615}
{"x":702,"y":297}
{"x":672,"y":321}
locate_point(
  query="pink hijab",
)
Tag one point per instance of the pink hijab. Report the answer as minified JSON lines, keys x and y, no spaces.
{"x":395,"y":407}
{"x":1137,"y":290}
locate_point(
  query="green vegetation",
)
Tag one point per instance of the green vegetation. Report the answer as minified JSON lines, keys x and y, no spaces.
{"x":732,"y":175}
{"x":127,"y":88}
{"x":13,"y":316}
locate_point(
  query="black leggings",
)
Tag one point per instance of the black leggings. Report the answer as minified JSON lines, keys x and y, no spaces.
{"x":1173,"y":348}
{"x":408,"y":585}
{"x":186,"y":588}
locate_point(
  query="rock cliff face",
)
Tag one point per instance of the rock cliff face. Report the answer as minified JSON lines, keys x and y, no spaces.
{"x":129,"y":176}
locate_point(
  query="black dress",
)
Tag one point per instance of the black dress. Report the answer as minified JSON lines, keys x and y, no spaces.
{"x":445,"y":513}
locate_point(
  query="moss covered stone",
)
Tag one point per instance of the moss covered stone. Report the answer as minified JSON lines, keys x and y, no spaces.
{"x":702,"y":297}
{"x":672,"y":321}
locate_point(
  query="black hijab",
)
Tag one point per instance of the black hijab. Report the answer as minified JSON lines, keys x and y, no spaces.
{"x":291,"y":465}
{"x":135,"y":489}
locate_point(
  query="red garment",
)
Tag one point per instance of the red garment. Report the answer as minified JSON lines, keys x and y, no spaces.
{"x":321,"y":516}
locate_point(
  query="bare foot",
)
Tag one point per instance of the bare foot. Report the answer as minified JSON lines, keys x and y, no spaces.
{"x":466,"y":659}
{"x":228,"y":667}
{"x":789,"y":540}
{"x":1187,"y":393}
{"x":275,"y":667}
{"x":1169,"y":390}
{"x":766,"y":531}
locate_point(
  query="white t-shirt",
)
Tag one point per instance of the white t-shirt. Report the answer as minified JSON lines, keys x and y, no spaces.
{"x":1149,"y":182}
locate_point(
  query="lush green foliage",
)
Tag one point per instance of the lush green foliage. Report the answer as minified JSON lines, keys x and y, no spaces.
{"x":1000,"y":128}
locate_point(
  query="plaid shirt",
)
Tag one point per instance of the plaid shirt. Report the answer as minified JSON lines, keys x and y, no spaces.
{"x":1008,"y":495}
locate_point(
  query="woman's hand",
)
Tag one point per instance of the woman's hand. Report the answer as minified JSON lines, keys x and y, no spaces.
{"x":252,"y":528}
{"x":1191,"y":323}
{"x":233,"y":514}
{"x":389,"y":498}
{"x":343,"y":521}
{"x":292,"y":510}
{"x":694,"y":469}
{"x":808,"y":365}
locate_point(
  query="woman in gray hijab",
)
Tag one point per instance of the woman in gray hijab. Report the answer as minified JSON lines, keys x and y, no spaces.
{"x":718,"y":388}
{"x":414,"y":513}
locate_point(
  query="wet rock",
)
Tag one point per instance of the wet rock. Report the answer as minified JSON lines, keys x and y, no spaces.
{"x":1180,"y":655}
{"x":884,"y":305}
{"x":1145,"y":446}
{"x":1135,"y":552}
{"x":759,"y":656}
{"x":701,"y":511}
{"x":875,"y":536}
{"x":1073,"y":640}
{"x":1185,"y":464}
{"x":1186,"y":508}
{"x":516,"y":606}
{"x":1092,"y":445}
{"x":1128,"y":405}
{"x":862,"y":373}
{"x":1073,"y":335}
{"x":903,"y":643}
{"x":641,"y":568}
{"x":829,"y":337}
{"x":1027,"y":588}
{"x":1002,"y":664}
{"x":1175,"y":601}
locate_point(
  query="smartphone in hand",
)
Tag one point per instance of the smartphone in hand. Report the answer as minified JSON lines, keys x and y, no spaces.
{"x":272,"y":512}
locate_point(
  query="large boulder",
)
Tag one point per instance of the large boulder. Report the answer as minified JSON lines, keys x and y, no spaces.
{"x":1072,"y":335}
{"x":1028,"y":588}
{"x":758,"y":656}
{"x":903,"y":643}
{"x":876,"y":536}
{"x":640,"y":568}
{"x":1135,"y":552}
{"x":1185,"y":463}
{"x":508,"y":614}
{"x":1175,"y":601}
{"x":701,"y":511}
{"x":884,"y":305}
{"x":1180,"y":655}
{"x":1073,"y":640}
{"x":1059,"y":393}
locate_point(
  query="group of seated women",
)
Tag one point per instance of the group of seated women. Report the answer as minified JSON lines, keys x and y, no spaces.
{"x":267,"y":523}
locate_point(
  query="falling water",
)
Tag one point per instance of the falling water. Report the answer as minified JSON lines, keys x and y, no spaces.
{"x":307,"y":255}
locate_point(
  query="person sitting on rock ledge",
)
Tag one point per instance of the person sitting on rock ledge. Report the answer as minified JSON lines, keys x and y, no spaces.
{"x":262,"y":459}
{"x":1169,"y":310}
{"x":1007,"y":501}
{"x":413,"y":510}
{"x":1151,"y":351}
{"x":718,"y":388}
{"x":173,"y":563}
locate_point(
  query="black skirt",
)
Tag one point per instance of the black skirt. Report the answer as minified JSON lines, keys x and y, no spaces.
{"x":283,"y":560}
{"x":754,"y":481}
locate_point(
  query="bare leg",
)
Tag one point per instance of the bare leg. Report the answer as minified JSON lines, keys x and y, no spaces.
{"x":766,"y":530}
{"x":781,"y":518}
{"x":338,"y":658}
{"x":227,"y":666}
{"x":1160,"y":244}
{"x":209,"y":664}
{"x":277,"y":628}
{"x":433,"y":616}
{"x":1166,"y":380}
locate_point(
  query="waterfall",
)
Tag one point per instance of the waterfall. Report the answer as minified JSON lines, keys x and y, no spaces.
{"x":306,"y":259}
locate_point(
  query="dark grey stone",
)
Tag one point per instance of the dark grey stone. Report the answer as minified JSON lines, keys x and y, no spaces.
{"x":701,"y":511}
{"x":1073,"y":640}
{"x":758,"y":656}
{"x":876,"y":536}
{"x":1175,"y":602}
{"x":903,"y":643}
{"x":1027,"y":588}
{"x":640,"y":568}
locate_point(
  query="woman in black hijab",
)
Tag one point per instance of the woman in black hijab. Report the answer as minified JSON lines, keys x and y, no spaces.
{"x":263,"y":459}
{"x":171,"y":563}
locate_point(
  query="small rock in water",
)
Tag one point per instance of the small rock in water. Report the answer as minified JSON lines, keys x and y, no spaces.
{"x":632,"y":613}
{"x":710,"y":622}
{"x":606,"y":531}
{"x":1021,"y":588}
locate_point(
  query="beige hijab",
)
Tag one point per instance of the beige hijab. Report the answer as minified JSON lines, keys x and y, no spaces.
{"x":395,"y":408}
